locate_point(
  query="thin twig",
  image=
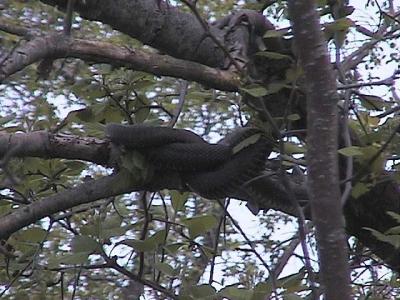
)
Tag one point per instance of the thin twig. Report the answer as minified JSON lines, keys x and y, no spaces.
{"x":250,"y":244}
{"x":68,"y":17}
{"x":112,"y":263}
{"x":345,"y":129}
{"x":216,"y":242}
{"x":204,"y":24}
{"x":144,"y":231}
{"x":388,"y":112}
{"x":387,"y":81}
{"x":178,"y":110}
{"x":292,"y":198}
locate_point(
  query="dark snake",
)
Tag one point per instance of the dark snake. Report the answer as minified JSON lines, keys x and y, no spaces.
{"x":211,"y":170}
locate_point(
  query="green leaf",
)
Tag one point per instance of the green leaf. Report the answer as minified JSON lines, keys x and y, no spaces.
{"x":200,"y":224}
{"x":83,"y":114}
{"x":142,"y":114}
{"x":121,"y":207}
{"x":370,"y":152}
{"x":253,"y":5}
{"x":166,"y":269}
{"x":394,"y":230}
{"x":338,"y":30}
{"x":136,"y":164}
{"x":34,"y":235}
{"x":75,"y":258}
{"x":75,"y":167}
{"x":276,"y":87}
{"x":359,"y":189}
{"x":292,"y":148}
{"x":143,"y":84}
{"x":209,"y":252}
{"x":103,"y":69}
{"x":111,"y":227}
{"x":84,"y":243}
{"x":173,"y":248}
{"x":273,"y":55}
{"x":139,"y":245}
{"x":158,"y":237}
{"x":178,"y":200}
{"x":6,"y":119}
{"x":394,"y":216}
{"x":351,"y":151}
{"x":274,"y":33}
{"x":372,"y":102}
{"x":246,"y":142}
{"x":342,"y":24}
{"x":293,"y":282}
{"x":33,"y":164}
{"x":199,"y":95}
{"x":293,"y":117}
{"x":292,"y":74}
{"x":148,"y":245}
{"x":262,"y":290}
{"x":257,"y":91}
{"x":372,"y":121}
{"x":387,"y":238}
{"x":94,"y":91}
{"x":111,"y":222}
{"x":142,"y":110}
{"x":291,"y":297}
{"x":204,"y":291}
{"x":235,"y":293}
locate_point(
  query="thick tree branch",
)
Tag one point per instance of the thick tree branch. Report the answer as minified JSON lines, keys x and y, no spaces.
{"x":58,"y":46}
{"x":178,"y":33}
{"x":266,"y":191}
{"x":13,"y":29}
{"x":45,"y":145}
{"x":322,"y":157}
{"x":84,"y":193}
{"x":154,"y":23}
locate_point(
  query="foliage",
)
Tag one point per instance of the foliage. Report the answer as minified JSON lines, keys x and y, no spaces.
{"x":140,"y":243}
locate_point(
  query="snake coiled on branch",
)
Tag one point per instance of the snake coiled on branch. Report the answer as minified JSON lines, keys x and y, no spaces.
{"x":211,"y":170}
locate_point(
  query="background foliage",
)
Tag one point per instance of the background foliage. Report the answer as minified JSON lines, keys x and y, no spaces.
{"x":131,"y":245}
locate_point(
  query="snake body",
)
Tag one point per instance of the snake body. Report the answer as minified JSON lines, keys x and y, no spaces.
{"x":211,"y":170}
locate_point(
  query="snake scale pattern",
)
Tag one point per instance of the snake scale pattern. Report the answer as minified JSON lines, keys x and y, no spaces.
{"x":211,"y":170}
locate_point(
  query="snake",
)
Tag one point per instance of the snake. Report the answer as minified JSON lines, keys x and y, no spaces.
{"x":212,"y":170}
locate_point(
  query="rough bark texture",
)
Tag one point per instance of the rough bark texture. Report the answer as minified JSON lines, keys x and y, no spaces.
{"x":107,"y":186}
{"x":58,"y":46}
{"x":45,"y":145}
{"x":322,"y":157}
{"x":154,"y":23}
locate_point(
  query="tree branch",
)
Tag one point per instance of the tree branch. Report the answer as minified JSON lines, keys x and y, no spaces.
{"x":322,"y":157}
{"x":84,"y":193}
{"x":267,"y":190}
{"x":154,"y":23}
{"x":45,"y":145}
{"x":58,"y":46}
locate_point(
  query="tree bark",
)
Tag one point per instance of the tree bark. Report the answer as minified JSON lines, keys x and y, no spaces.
{"x":156,"y":24}
{"x":322,"y":156}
